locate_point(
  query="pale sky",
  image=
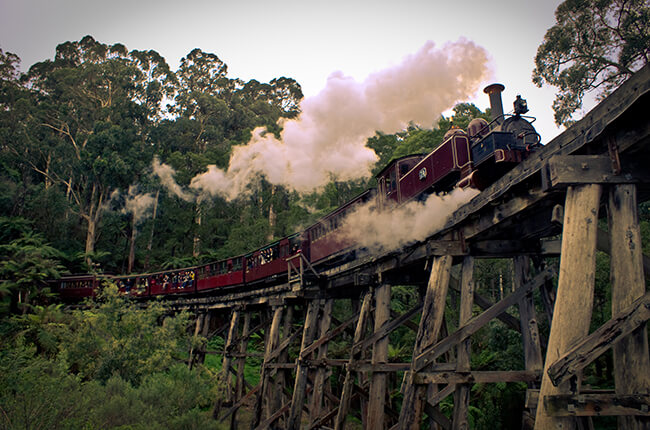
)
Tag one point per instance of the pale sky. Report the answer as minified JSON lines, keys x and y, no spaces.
{"x":304,"y":40}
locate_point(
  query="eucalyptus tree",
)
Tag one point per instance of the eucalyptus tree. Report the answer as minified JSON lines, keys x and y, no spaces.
{"x":595,"y":45}
{"x":93,"y":105}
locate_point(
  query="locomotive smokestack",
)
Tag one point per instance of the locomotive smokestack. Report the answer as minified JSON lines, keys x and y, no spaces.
{"x":496,"y":105}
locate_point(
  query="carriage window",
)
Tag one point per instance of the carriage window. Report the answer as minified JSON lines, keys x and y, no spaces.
{"x":237,"y":264}
{"x":391,"y":184}
{"x":404,"y":169}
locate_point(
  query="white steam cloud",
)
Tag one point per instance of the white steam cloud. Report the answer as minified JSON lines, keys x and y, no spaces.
{"x":138,"y":204}
{"x":387,"y":230}
{"x":166,"y":175}
{"x":327,"y":140}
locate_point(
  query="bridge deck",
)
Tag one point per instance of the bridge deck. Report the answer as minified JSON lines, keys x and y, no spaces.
{"x":515,"y":215}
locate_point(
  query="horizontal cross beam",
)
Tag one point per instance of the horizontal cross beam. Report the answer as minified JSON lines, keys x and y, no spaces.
{"x":591,"y":347}
{"x":588,"y":405}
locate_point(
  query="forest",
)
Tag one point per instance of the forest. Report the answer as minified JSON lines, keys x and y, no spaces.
{"x":88,"y":143}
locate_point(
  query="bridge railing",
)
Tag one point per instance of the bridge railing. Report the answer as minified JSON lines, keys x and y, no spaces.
{"x":296,"y":269}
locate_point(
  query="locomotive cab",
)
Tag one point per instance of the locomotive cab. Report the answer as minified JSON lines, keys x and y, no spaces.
{"x":500,"y":145}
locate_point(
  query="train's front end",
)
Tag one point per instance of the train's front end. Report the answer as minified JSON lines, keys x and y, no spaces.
{"x":501,"y":144}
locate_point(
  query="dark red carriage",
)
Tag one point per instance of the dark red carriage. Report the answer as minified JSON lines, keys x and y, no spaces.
{"x":224,"y":273}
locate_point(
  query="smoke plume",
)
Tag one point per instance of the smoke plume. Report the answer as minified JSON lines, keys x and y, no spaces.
{"x":166,"y":174}
{"x":138,"y":204}
{"x":327,"y":140}
{"x":387,"y":230}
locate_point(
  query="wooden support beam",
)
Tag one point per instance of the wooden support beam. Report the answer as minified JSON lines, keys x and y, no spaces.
{"x":564,"y":170}
{"x":331,"y":334}
{"x":575,"y":293}
{"x":225,"y":368}
{"x":631,"y":361}
{"x":241,"y":363}
{"x":379,"y":380}
{"x":431,"y":353}
{"x":430,"y":325}
{"x":361,"y":365}
{"x":502,"y":212}
{"x":262,"y":405}
{"x":193,"y":350}
{"x":240,"y":402}
{"x":389,"y":327}
{"x":300,"y":386}
{"x":438,"y":417}
{"x":438,"y":397}
{"x":603,"y":244}
{"x":485,"y":304}
{"x":591,"y":347}
{"x":530,"y":333}
{"x":330,"y":415}
{"x":407,"y":323}
{"x":484,"y":377}
{"x":590,"y":405}
{"x":274,"y":417}
{"x":461,"y":395}
{"x":205,"y":330}
{"x":321,"y":371}
{"x":283,"y":377}
{"x":283,"y":346}
{"x":532,"y":395}
{"x":346,"y":393}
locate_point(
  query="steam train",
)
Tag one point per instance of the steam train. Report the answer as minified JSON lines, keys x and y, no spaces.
{"x":473,"y":158}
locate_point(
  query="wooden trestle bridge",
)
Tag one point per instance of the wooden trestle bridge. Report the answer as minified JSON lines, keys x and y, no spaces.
{"x":550,"y":205}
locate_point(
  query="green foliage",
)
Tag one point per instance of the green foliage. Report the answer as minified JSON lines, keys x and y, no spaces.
{"x":39,"y":393}
{"x":115,"y":365}
{"x":595,"y":45}
{"x":115,"y":337}
{"x":26,"y":263}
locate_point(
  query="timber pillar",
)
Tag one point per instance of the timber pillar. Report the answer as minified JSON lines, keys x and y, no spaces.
{"x":575,"y":292}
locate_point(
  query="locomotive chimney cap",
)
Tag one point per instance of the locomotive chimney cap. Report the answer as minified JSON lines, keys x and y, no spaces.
{"x":494,"y":88}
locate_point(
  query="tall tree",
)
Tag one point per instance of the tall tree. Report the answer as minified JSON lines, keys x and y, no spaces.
{"x":92,"y":104}
{"x":595,"y":45}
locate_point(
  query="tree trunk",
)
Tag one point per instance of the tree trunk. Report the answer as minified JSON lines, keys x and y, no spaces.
{"x":272,"y":215}
{"x":93,"y":217}
{"x":134,"y":234}
{"x":153,"y":227}
{"x":196,"y":250}
{"x":91,"y":234}
{"x":48,"y":181}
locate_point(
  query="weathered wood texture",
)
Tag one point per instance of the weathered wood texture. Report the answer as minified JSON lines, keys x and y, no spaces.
{"x":631,"y":363}
{"x":379,"y":380}
{"x":575,"y":293}
{"x":609,"y":334}
{"x":529,"y":331}
{"x":321,"y":371}
{"x":240,"y":382}
{"x":429,"y":354}
{"x":264,"y":397}
{"x":346,"y":392}
{"x":282,"y":377}
{"x":197,"y":330}
{"x":483,"y":377}
{"x":564,"y":170}
{"x":430,"y":324}
{"x":567,"y":405}
{"x":227,"y":359}
{"x":300,"y":386}
{"x":461,"y":396}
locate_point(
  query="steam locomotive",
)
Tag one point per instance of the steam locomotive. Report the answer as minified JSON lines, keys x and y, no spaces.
{"x":473,"y":158}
